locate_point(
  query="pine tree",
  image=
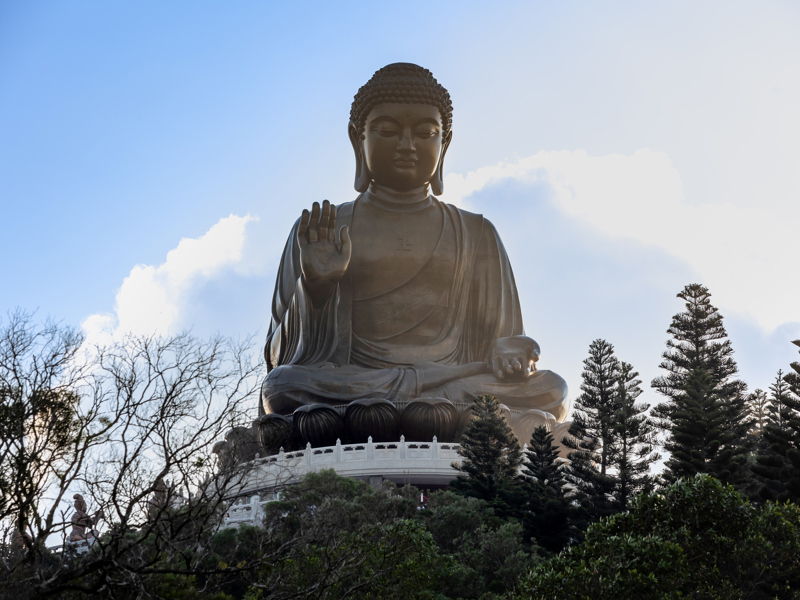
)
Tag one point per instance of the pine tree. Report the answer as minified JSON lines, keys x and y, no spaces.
{"x":779,"y":390}
{"x":758,"y":406}
{"x":549,"y":516}
{"x":634,"y":447}
{"x":597,"y":400}
{"x":705,"y":415}
{"x":591,"y":435}
{"x":779,"y":465}
{"x":700,"y":440}
{"x":699,"y":341}
{"x":591,"y":489}
{"x":491,"y":457}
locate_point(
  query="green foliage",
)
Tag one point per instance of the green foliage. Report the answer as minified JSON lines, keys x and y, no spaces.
{"x":699,"y":341}
{"x":336,"y":537}
{"x":779,"y":464}
{"x":612,"y":438}
{"x":701,"y":439}
{"x":779,"y":391}
{"x":759,"y":406}
{"x":549,"y":516}
{"x":594,"y":409}
{"x":697,"y":538}
{"x":451,"y":517}
{"x":487,"y":552}
{"x":491,"y":457}
{"x":705,"y":416}
{"x":634,"y":440}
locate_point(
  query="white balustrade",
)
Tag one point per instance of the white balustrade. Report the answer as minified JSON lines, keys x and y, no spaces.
{"x":403,"y":462}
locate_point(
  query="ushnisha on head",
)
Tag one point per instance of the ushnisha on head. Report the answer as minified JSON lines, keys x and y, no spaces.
{"x":400,"y":128}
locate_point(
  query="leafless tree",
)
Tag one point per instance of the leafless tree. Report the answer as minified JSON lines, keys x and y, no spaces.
{"x":113,"y":423}
{"x":127,"y":430}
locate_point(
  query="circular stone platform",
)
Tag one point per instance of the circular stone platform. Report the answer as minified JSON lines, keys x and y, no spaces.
{"x":421,"y":464}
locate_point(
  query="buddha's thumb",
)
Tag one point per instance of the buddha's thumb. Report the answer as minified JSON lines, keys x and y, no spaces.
{"x":344,"y":237}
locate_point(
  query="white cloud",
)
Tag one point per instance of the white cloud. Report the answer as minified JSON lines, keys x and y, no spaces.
{"x":743,"y":254}
{"x":152,"y":298}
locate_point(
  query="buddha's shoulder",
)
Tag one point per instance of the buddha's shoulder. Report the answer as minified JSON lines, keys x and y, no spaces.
{"x":472,"y":220}
{"x":345,"y":210}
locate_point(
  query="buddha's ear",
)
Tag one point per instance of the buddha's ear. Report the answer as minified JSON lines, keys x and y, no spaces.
{"x":437,"y":183}
{"x":363,"y":176}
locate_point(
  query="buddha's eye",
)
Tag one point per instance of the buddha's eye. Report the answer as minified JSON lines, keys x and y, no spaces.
{"x":426,"y":133}
{"x":385,"y":131}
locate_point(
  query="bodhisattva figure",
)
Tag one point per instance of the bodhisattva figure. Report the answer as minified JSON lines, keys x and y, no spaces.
{"x":397,"y":296}
{"x":81,"y":521}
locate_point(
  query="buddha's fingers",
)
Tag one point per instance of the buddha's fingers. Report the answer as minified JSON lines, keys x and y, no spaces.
{"x":517,"y":365}
{"x":323,"y":220}
{"x":332,"y":225}
{"x":313,"y":226}
{"x":302,"y":230}
{"x":497,"y":366}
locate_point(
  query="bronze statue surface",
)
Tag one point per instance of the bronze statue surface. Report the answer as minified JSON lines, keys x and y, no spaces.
{"x":396,"y":296}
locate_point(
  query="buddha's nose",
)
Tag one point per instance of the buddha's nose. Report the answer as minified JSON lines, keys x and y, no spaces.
{"x":407,"y":142}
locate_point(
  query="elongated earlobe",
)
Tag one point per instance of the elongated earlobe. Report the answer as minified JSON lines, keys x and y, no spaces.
{"x":437,"y":183}
{"x":363,"y":177}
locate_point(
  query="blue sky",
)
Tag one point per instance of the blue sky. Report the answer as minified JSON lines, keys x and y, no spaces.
{"x":154,"y":155}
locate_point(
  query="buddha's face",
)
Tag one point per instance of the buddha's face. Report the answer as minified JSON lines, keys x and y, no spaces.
{"x":403,"y":144}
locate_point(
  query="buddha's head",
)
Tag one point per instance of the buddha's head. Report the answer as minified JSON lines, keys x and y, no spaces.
{"x":400,"y":129}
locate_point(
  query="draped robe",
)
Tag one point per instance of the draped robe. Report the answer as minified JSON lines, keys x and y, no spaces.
{"x":449,"y":310}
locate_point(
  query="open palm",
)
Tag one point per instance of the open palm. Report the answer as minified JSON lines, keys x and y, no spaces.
{"x":322,"y":259}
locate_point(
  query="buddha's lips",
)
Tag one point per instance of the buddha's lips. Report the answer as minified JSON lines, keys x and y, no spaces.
{"x":404,"y":164}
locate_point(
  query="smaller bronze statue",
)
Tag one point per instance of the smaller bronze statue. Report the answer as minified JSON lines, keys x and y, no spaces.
{"x":159,"y":500}
{"x":82,"y":522}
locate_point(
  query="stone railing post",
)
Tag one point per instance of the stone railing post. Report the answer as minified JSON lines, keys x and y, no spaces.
{"x":434,"y":448}
{"x":281,"y":457}
{"x":402,"y":447}
{"x":370,"y":449}
{"x":308,"y":453}
{"x":337,"y":451}
{"x":255,"y":509}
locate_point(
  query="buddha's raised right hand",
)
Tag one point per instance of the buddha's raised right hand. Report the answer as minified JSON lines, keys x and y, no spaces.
{"x":323,"y":259}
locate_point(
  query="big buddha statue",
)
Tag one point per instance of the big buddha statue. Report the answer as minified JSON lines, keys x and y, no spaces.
{"x":393,"y":312}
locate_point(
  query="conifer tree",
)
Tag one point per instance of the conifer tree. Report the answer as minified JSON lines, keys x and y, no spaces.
{"x":779,"y":465}
{"x":549,"y":516}
{"x":758,"y":406}
{"x":598,"y":397}
{"x":705,"y":416}
{"x":779,"y":390}
{"x":592,"y":432}
{"x":700,"y":440}
{"x":634,"y":446}
{"x":590,"y":488}
{"x":491,"y":456}
{"x":699,"y":341}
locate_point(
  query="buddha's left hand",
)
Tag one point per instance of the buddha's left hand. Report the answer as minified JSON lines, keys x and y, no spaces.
{"x":514,"y":357}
